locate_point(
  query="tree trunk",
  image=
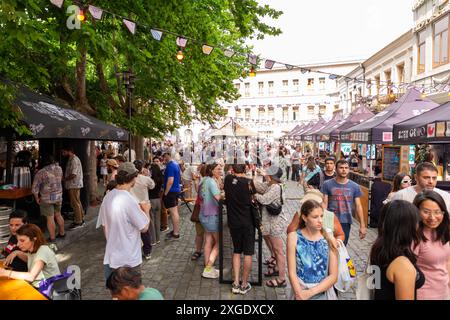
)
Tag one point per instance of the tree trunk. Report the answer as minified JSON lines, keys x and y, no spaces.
{"x":138,"y":143}
{"x":82,"y":105}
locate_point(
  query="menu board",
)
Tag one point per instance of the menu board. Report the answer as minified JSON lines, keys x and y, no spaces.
{"x":391,"y":162}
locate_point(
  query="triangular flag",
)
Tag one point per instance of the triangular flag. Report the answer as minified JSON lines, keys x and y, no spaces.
{"x":207,"y":49}
{"x":333,"y":77}
{"x":289,"y":67}
{"x":252,"y":59}
{"x":130,"y":25}
{"x":269,"y":64}
{"x":96,"y":12}
{"x":228,"y":53}
{"x":181,"y":42}
{"x":156,"y":34}
{"x":57,"y":3}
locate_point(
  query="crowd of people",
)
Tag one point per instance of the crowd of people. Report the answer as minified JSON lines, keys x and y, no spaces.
{"x":412,"y":249}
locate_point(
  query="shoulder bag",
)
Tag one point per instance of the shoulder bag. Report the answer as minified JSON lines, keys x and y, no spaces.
{"x":276,"y":209}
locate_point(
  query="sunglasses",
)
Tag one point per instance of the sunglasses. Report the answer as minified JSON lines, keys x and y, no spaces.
{"x":406,"y":181}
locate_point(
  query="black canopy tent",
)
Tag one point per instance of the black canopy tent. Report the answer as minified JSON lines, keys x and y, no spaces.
{"x":47,"y":119}
{"x":55,"y":126}
{"x":378,"y":129}
{"x":432,"y":126}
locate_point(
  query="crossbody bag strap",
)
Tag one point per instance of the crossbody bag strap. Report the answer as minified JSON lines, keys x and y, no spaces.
{"x":281,"y":195}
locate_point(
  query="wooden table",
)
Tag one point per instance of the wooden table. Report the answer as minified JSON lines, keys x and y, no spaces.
{"x":18,"y":290}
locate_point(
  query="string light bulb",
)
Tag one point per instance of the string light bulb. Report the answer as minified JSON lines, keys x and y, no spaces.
{"x":180,"y":55}
{"x":252,"y":72}
{"x":81,"y":16}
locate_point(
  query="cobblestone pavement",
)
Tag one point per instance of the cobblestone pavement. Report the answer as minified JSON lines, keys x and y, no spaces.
{"x":171,"y":270}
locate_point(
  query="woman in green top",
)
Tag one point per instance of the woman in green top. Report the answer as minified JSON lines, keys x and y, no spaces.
{"x":40,"y":258}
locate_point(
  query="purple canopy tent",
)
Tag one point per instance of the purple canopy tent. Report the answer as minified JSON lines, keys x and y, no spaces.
{"x":378,"y":129}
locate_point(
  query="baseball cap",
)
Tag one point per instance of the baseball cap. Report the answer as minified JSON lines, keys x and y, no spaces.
{"x":128,"y":167}
{"x":275,"y":173}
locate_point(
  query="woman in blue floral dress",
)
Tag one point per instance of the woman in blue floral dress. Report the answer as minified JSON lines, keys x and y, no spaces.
{"x":312,"y":260}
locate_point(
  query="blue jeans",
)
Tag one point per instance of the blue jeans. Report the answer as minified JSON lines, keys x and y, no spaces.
{"x":346,"y":227}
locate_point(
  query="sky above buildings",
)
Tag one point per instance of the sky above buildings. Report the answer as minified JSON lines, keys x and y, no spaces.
{"x":333,"y":30}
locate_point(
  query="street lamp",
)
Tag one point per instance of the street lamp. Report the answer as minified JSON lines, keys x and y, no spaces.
{"x":128,"y":81}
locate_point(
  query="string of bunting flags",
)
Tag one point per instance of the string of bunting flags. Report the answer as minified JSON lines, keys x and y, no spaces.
{"x":182,"y":41}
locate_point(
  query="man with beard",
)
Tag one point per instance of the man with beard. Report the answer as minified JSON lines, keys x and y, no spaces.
{"x":123,"y":220}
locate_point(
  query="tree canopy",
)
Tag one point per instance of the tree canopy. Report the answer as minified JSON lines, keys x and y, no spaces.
{"x":82,"y":67}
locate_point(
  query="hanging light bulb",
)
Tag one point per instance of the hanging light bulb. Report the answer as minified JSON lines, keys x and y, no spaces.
{"x":80,"y":16}
{"x":252,"y":72}
{"x":180,"y":55}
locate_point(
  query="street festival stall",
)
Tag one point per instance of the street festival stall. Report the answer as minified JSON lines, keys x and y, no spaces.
{"x":291,"y":134}
{"x":378,"y":130}
{"x":433,"y":128}
{"x":52,"y":125}
{"x":324,"y":135}
{"x":307,"y":136}
{"x":297,"y":136}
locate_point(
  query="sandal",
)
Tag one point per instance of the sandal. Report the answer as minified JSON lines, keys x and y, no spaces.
{"x":196,"y":255}
{"x":277,"y":283}
{"x":271,"y":272}
{"x":269,"y":261}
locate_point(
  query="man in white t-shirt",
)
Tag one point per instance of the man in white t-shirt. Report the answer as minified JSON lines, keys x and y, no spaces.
{"x":188,"y":178}
{"x":426,"y":177}
{"x":123,"y":219}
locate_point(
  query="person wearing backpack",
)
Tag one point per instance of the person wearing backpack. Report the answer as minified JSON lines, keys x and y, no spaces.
{"x":274,"y":223}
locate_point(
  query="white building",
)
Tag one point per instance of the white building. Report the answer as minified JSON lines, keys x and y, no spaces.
{"x":381,"y":78}
{"x":431,"y":68}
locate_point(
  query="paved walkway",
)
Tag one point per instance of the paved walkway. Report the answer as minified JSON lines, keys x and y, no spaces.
{"x":171,"y":270}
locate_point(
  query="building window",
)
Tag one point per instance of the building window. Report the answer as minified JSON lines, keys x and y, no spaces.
{"x":238,"y":113}
{"x":285,"y":114}
{"x":261,"y":113}
{"x":310,"y":84}
{"x":310,"y":110}
{"x":401,"y":74}
{"x":336,"y":107}
{"x":322,"y":83}
{"x":285,"y":87}
{"x":322,"y":110}
{"x":271,"y":113}
{"x":260,"y":88}
{"x":421,"y":53}
{"x":295,"y":85}
{"x":247,"y":89}
{"x":237,"y":86}
{"x":295,"y":114}
{"x":440,"y":42}
{"x":270,"y":88}
{"x":388,"y":77}
{"x":247,"y":114}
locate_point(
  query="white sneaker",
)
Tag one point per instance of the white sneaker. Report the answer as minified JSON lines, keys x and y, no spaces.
{"x":235,"y":288}
{"x":210,"y":273}
{"x":243,"y":290}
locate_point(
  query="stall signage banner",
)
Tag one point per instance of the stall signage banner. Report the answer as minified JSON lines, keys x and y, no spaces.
{"x":440,"y":129}
{"x":412,"y":133}
{"x":308,"y":138}
{"x":324,"y":137}
{"x":346,"y":136}
{"x":431,"y":130}
{"x":387,"y":136}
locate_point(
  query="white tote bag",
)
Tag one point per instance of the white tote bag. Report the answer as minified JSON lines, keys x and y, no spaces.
{"x":346,"y":270}
{"x":364,"y":289}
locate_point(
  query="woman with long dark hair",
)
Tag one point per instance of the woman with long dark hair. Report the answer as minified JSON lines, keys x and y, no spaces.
{"x":433,"y":247}
{"x":392,"y":253}
{"x":401,"y":181}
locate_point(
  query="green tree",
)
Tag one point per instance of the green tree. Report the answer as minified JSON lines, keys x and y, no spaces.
{"x":81,"y":67}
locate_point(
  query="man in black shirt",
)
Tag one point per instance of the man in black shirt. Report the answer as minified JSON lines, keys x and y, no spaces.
{"x":240,"y":222}
{"x":12,"y":252}
{"x":329,"y":172}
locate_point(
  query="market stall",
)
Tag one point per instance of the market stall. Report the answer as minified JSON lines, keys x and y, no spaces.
{"x":52,"y":125}
{"x":433,"y":128}
{"x":323,"y":135}
{"x":378,"y":130}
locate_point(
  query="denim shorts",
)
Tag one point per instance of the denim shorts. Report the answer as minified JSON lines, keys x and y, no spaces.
{"x":210,"y":223}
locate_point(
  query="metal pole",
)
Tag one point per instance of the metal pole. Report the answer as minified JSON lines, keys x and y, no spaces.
{"x":128,"y":80}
